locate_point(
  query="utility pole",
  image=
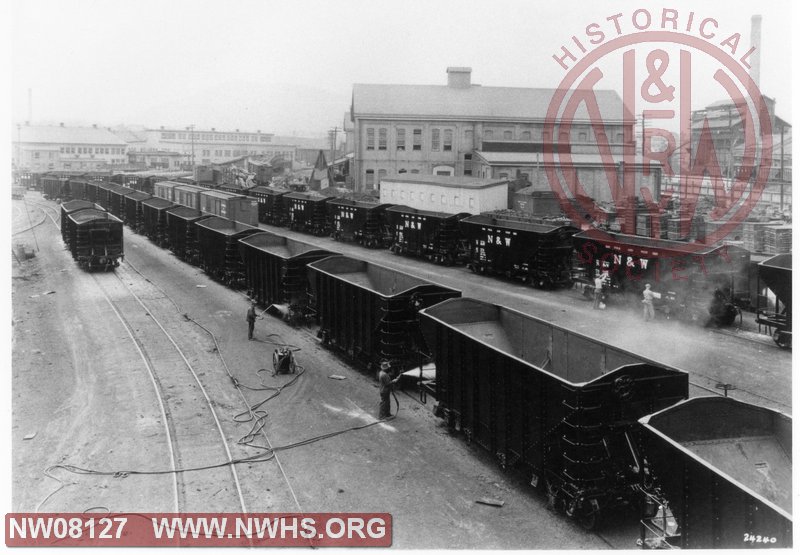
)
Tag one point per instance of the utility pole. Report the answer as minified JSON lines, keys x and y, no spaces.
{"x":332,"y":133}
{"x":782,"y":130}
{"x":191,"y":136}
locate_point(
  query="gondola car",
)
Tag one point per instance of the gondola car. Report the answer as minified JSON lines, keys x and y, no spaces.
{"x":559,"y":406}
{"x":97,"y":244}
{"x":535,"y":253}
{"x":719,"y":476}
{"x":359,"y":221}
{"x":181,"y":233}
{"x":431,"y":235}
{"x":370,"y":312}
{"x":776,"y":273}
{"x":154,"y":219}
{"x":275,"y":272}
{"x":218,"y":247}
{"x":272,"y":207}
{"x":697,"y":283}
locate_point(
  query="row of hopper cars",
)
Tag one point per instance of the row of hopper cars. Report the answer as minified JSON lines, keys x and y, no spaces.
{"x":703,"y":284}
{"x":593,"y":427}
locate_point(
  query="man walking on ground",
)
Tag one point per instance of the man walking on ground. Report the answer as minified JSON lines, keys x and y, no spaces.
{"x":647,"y":301}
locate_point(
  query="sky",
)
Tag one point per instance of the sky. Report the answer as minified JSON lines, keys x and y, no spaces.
{"x":287,"y":67}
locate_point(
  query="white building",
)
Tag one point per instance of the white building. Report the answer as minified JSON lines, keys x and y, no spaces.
{"x":63,"y":148}
{"x":439,"y":193}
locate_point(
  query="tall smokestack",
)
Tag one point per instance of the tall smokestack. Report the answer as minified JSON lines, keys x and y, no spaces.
{"x":30,"y":104}
{"x":755,"y":41}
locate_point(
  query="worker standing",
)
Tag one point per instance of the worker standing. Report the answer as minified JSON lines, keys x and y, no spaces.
{"x":647,"y":302}
{"x":599,"y":283}
{"x":251,"y":320}
{"x":386,"y":384}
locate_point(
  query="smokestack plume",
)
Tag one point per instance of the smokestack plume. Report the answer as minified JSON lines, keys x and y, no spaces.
{"x":755,"y":41}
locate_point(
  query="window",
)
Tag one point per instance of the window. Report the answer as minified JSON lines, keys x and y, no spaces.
{"x":504,"y":176}
{"x":526,"y":136}
{"x":508,"y":135}
{"x":370,"y":138}
{"x":36,"y":155}
{"x":432,"y":197}
{"x":488,"y":134}
{"x":582,"y":137}
{"x":563,"y":137}
{"x":620,"y":138}
{"x":370,"y":180}
{"x":456,"y":200}
{"x":417,"y":141}
{"x":264,"y":139}
{"x":381,"y":175}
{"x":472,"y":202}
{"x":401,"y":139}
{"x":414,"y":171}
{"x":382,"y":138}
{"x":227,"y":153}
{"x":61,"y":150}
{"x":434,"y":139}
{"x":402,"y":170}
{"x":448,"y":139}
{"x":468,"y":136}
{"x":444,"y":199}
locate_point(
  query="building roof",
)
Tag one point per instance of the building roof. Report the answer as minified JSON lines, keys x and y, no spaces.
{"x":130,"y":135}
{"x":445,"y":180}
{"x":66,"y":135}
{"x":474,"y":102}
{"x":532,"y":159}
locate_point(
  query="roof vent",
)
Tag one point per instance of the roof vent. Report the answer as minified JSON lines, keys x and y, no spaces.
{"x":459,"y":77}
{"x":61,"y":124}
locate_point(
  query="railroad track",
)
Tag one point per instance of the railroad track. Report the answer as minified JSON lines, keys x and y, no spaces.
{"x":200,"y":468}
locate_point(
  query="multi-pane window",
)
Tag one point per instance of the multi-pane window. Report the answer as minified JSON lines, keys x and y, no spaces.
{"x":382,"y":138}
{"x":526,"y":136}
{"x":370,"y":179}
{"x":582,"y":137}
{"x":370,"y":138}
{"x":381,"y":175}
{"x":417,"y":140}
{"x":448,"y":139}
{"x":434,"y":139}
{"x":507,"y":135}
{"x":401,"y":139}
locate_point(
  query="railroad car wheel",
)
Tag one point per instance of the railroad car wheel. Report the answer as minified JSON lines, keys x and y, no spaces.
{"x":782,"y":339}
{"x":588,"y":514}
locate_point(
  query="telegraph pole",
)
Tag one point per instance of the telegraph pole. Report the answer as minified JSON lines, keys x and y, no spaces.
{"x":191,"y":136}
{"x":332,"y":133}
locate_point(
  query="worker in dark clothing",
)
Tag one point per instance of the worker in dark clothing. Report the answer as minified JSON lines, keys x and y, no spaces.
{"x":251,"y":320}
{"x":386,"y":384}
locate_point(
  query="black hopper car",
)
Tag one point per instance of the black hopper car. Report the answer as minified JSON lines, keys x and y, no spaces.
{"x":218,"y":249}
{"x":95,"y":239}
{"x":776,"y":273}
{"x":536,"y":253}
{"x":421,"y":233}
{"x":554,"y":404}
{"x":272,"y":206}
{"x":361,"y":221}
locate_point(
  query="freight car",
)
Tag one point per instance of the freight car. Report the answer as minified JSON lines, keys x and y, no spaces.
{"x":218,"y":248}
{"x":720,"y":476}
{"x":67,"y":225}
{"x":776,"y":273}
{"x":359,"y":221}
{"x":703,"y":284}
{"x":181,"y":233}
{"x":559,"y":406}
{"x":307,"y":212}
{"x":239,"y":208}
{"x":134,"y":215}
{"x":55,"y":187}
{"x":370,"y":312}
{"x":272,"y":208}
{"x":97,"y":243}
{"x":431,"y":235}
{"x":188,"y":195}
{"x":276,"y":275}
{"x":535,"y":253}
{"x":116,"y":199}
{"x":154,"y":219}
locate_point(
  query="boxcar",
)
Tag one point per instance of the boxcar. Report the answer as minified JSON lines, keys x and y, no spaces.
{"x":698,"y":283}
{"x":720,"y":476}
{"x":104,"y":194}
{"x":306,"y":212}
{"x":188,"y":195}
{"x":166,"y":189}
{"x":67,"y":225}
{"x":154,"y":219}
{"x":97,"y":242}
{"x":369,"y":312}
{"x":776,"y":273}
{"x":218,"y":246}
{"x":181,"y":233}
{"x":431,"y":235}
{"x":238,"y":208}
{"x":559,"y":406}
{"x":276,"y":273}
{"x":133,"y":215}
{"x":535,"y":253}
{"x":359,"y":221}
{"x":272,"y":207}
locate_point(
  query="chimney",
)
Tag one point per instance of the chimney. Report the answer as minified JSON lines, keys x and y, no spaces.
{"x":459,"y":77}
{"x":94,"y":125}
{"x":755,"y":41}
{"x":213,"y":129}
{"x":61,"y":124}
